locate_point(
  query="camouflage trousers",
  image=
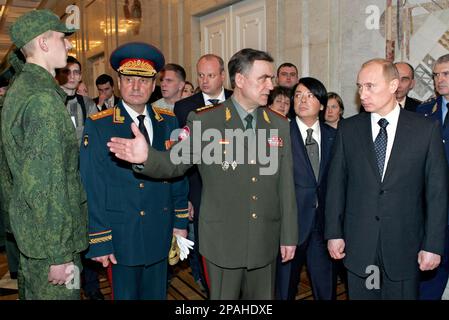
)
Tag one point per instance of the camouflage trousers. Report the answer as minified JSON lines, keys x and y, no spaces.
{"x":33,"y":281}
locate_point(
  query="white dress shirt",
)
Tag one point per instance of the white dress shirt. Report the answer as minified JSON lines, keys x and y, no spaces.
{"x":392,"y":119}
{"x":220,"y":97}
{"x":146,"y":121}
{"x":316,"y":134}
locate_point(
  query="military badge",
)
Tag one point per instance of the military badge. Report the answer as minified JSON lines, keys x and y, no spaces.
{"x":225,"y":166}
{"x":228,"y":114}
{"x":265,"y":116}
{"x":85,"y":140}
{"x":234,"y":165}
{"x":275,"y":142}
{"x":184,"y":133}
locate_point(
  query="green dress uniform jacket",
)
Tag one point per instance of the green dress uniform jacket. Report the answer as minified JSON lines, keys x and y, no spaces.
{"x":48,"y":208}
{"x":245,"y":216}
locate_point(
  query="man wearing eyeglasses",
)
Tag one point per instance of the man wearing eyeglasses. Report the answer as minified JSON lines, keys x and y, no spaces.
{"x":434,"y":282}
{"x":78,"y":106}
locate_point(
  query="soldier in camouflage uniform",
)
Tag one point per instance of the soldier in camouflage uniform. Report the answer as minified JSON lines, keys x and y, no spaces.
{"x":48,"y":205}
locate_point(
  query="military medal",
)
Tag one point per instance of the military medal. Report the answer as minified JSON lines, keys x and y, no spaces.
{"x":275,"y":141}
{"x":225,"y":165}
{"x":234,"y":165}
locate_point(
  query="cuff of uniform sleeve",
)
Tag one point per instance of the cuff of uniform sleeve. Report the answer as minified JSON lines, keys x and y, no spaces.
{"x":100,"y":244}
{"x":181,"y":218}
{"x":57,"y":260}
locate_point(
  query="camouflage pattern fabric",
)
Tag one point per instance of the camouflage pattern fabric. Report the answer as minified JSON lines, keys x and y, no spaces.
{"x":48,"y":209}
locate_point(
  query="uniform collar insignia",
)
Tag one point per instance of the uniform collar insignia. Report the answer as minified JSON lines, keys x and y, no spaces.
{"x":117,"y":118}
{"x":435,"y":107}
{"x":265,"y":116}
{"x":157,"y":115}
{"x":228,"y":114}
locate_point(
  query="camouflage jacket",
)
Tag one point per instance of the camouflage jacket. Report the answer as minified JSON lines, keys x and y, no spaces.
{"x":48,"y":209}
{"x":5,"y":181}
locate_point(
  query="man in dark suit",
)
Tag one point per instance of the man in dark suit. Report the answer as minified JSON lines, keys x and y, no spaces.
{"x":132,"y":218}
{"x":248,"y":208}
{"x":434,"y":282}
{"x":311,"y":146}
{"x":211,"y":77}
{"x":106,"y":98}
{"x":387,"y":195}
{"x":406,"y":83}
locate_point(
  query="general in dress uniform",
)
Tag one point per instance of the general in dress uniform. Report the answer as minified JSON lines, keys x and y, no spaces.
{"x":132,"y":218}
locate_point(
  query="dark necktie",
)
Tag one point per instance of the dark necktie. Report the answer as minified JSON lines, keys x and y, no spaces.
{"x":104,"y":107}
{"x":446,"y":118}
{"x":249,"y":122}
{"x":313,"y":152}
{"x":380,"y":145}
{"x":214,"y":101}
{"x":68,"y":98}
{"x":142,"y":127}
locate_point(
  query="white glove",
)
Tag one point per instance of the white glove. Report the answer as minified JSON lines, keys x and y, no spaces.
{"x":184,"y":246}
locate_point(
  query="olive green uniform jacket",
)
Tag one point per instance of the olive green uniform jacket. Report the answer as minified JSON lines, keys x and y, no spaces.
{"x":48,"y":209}
{"x":245,"y":216}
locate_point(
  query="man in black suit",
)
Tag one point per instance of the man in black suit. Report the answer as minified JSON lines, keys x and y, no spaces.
{"x":387,"y":196}
{"x":106,"y":98}
{"x":311,"y":147}
{"x":211,"y":77}
{"x":406,"y":83}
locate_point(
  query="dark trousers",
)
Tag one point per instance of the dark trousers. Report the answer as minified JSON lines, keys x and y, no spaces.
{"x":364,"y":288}
{"x":89,"y":275}
{"x":320,"y":268}
{"x":241,"y":283}
{"x":433,"y":283}
{"x":140,"y":282}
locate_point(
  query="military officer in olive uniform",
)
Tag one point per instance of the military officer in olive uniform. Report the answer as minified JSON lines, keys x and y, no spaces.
{"x":247,"y":214}
{"x":48,"y":204}
{"x":132,"y":218}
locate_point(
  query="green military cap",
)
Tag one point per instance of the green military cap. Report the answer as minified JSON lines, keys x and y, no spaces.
{"x":34,"y":23}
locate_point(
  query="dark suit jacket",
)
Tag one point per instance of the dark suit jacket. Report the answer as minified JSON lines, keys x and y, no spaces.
{"x":185,"y":106}
{"x":130,"y":215}
{"x":309,"y":192}
{"x":116,"y":99}
{"x":411,"y":104}
{"x":245,"y":214}
{"x":408,"y":210}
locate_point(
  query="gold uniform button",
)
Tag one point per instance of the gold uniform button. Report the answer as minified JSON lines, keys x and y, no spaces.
{"x":254,"y":216}
{"x":141,"y":185}
{"x":142,"y":213}
{"x":254,"y":198}
{"x":254,"y":179}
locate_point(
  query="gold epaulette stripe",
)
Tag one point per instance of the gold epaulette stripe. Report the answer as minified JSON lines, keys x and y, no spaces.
{"x":100,"y":233}
{"x":205,"y":108}
{"x":102,"y":114}
{"x":164,"y":111}
{"x":185,"y":215}
{"x":100,"y":240}
{"x":278,"y":113}
{"x":181,"y":210}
